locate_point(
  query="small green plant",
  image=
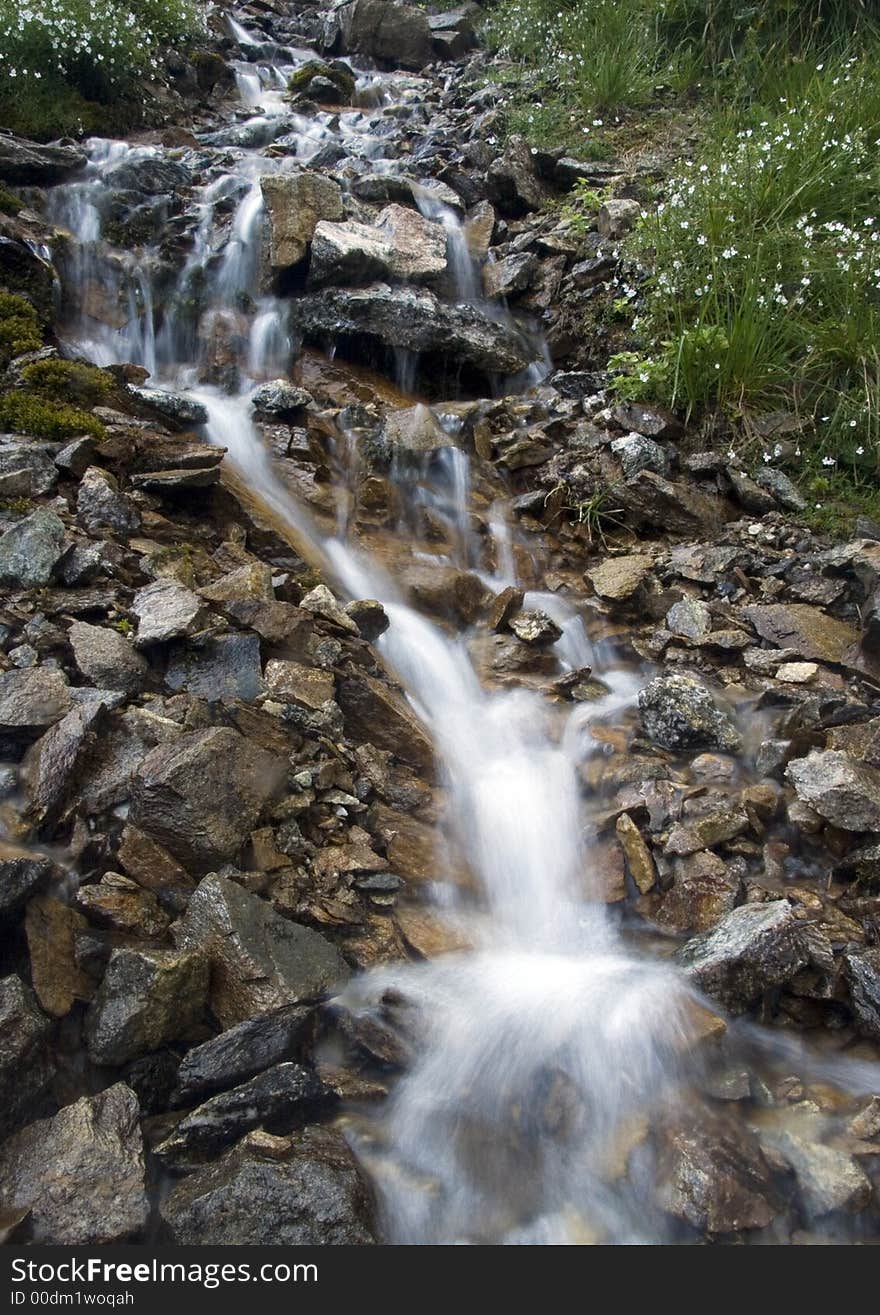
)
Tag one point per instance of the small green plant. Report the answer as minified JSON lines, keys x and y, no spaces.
{"x":20,"y":330}
{"x":71,"y":381}
{"x":25,"y":413}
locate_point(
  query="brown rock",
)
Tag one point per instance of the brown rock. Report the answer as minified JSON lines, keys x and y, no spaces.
{"x":618,"y":578}
{"x":638,"y":856}
{"x":291,"y":682}
{"x":375,"y":713}
{"x":51,"y":928}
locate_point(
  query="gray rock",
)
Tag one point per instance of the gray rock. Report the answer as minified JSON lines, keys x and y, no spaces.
{"x":841,"y":789}
{"x":308,"y":1191}
{"x":296,"y":202}
{"x":806,"y":631}
{"x":280,"y":398}
{"x":32,"y":700}
{"x":512,"y":274}
{"x":201,"y":795}
{"x":689,"y":618}
{"x":617,"y":216}
{"x":222,"y":667}
{"x":146,"y":999}
{"x":679,"y":713}
{"x":51,"y":768}
{"x":636,"y":452}
{"x":181,"y":412}
{"x":26,"y":1069}
{"x":279,"y":1100}
{"x":107,"y":658}
{"x":861,"y":970}
{"x":260,"y":961}
{"x":100,"y":505}
{"x":30,"y":551}
{"x":752,"y":950}
{"x":81,"y":1173}
{"x":749,"y":494}
{"x":394,"y":33}
{"x":23,"y":873}
{"x":27,"y":470}
{"x":413,"y":318}
{"x":536,"y":628}
{"x":652,"y":421}
{"x":151,"y":176}
{"x":369,"y":616}
{"x":402,"y":246}
{"x":28,"y":163}
{"x":243,"y":1051}
{"x":829,"y":1179}
{"x":784,"y":490}
{"x":166,"y":610}
{"x":513,"y":183}
{"x":76,"y":456}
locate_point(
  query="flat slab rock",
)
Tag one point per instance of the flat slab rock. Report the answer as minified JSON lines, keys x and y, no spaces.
{"x":807,"y":631}
{"x":752,"y":949}
{"x":842,"y":790}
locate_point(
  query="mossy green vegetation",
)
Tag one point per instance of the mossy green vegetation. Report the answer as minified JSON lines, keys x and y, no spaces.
{"x":20,"y":330}
{"x":27,"y":413}
{"x":73,"y":382}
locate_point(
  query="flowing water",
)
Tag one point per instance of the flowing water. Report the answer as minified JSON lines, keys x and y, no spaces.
{"x":541,"y":1048}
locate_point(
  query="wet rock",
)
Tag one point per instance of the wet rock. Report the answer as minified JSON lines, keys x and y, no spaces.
{"x":842,"y":790}
{"x":713,"y":1175}
{"x":806,"y":631}
{"x":829,"y":1179}
{"x":52,"y":767}
{"x":32,"y":700}
{"x":702,"y":892}
{"x":397,"y":34}
{"x":279,"y":1100}
{"x":369,"y":616}
{"x":291,"y":682}
{"x":26,"y":1069}
{"x":505,"y":604}
{"x":201,"y":795}
{"x":179,"y":411}
{"x":81,"y":1173}
{"x":299,"y":1191}
{"x":51,"y":929}
{"x":166,"y":610}
{"x":29,"y":163}
{"x":535,"y":627}
{"x":752,"y":950}
{"x":280,"y":398}
{"x":320,"y":81}
{"x":635,"y":452}
{"x":153,"y":868}
{"x":146,"y":999}
{"x":376,"y":714}
{"x":617,"y":216}
{"x":687,"y":837}
{"x":513,"y":183}
{"x":31,"y":550}
{"x":296,"y":202}
{"x":446,"y":591}
{"x":862,"y":973}
{"x":100,"y":505}
{"x":690,"y":618}
{"x":152,"y":175}
{"x":23,"y":873}
{"x":512,"y":274}
{"x":120,"y":904}
{"x":618,"y":578}
{"x":402,"y":247}
{"x":412,"y":318}
{"x":679,"y":713}
{"x":259,"y":961}
{"x":639,"y":861}
{"x":243,"y":1051}
{"x":217,"y":668}
{"x":106,"y":658}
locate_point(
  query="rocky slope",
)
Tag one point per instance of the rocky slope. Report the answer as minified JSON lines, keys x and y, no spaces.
{"x":217,"y":804}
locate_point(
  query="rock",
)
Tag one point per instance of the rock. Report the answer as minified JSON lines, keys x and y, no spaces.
{"x":671,"y":505}
{"x":100,"y":505}
{"x":639,"y":861}
{"x":296,"y":202}
{"x":31,"y":164}
{"x":617,"y":216}
{"x":279,"y":1100}
{"x":447,"y":591}
{"x":106,"y":658}
{"x":305,"y":1190}
{"x":713,"y":1175}
{"x":778,"y":484}
{"x":829,"y":1179}
{"x":807,"y":631}
{"x":402,"y":247}
{"x":31,"y":550}
{"x":504,"y":605}
{"x":259,"y":961}
{"x":842,"y":790}
{"x":512,"y":274}
{"x":750,"y":495}
{"x":120,"y":904}
{"x":27,"y":470}
{"x":243,"y":1051}
{"x":536,"y":628}
{"x":151,"y":175}
{"x":23,"y":874}
{"x":280,"y":398}
{"x":291,"y":682}
{"x":320,"y":81}
{"x":376,"y":714}
{"x":861,"y":970}
{"x":797,"y":673}
{"x":81,"y":1173}
{"x":243,"y":585}
{"x":218,"y":668}
{"x":415,"y":319}
{"x":147,"y":998}
{"x":369,"y":616}
{"x":51,"y":928}
{"x":26,"y":1069}
{"x":201,"y":795}
{"x":704,"y":832}
{"x":397,"y":34}
{"x":679,"y":714}
{"x":52,"y":767}
{"x":478,"y":230}
{"x":321,"y":602}
{"x":690,"y":618}
{"x":166,"y":610}
{"x":155,"y":869}
{"x":32,"y":700}
{"x":179,"y":411}
{"x":651,"y":421}
{"x":702,"y":892}
{"x":752,"y":950}
{"x":618,"y":578}
{"x":512,"y":180}
{"x":177,"y":481}
{"x":635,"y":452}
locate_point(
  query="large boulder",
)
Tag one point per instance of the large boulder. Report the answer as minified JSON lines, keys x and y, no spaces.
{"x":30,"y":551}
{"x":80,"y":1174}
{"x":752,"y":950}
{"x":296,"y":202}
{"x":841,"y":789}
{"x":393,"y":33}
{"x":413,"y":319}
{"x":402,"y":247}
{"x":25,"y":1066}
{"x":259,"y":961}
{"x":201,"y":795}
{"x":712,"y":1174}
{"x":513,"y":182}
{"x":679,"y":713}
{"x":304,"y":1191}
{"x":32,"y":164}
{"x":147,"y":998}
{"x":807,"y":631}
